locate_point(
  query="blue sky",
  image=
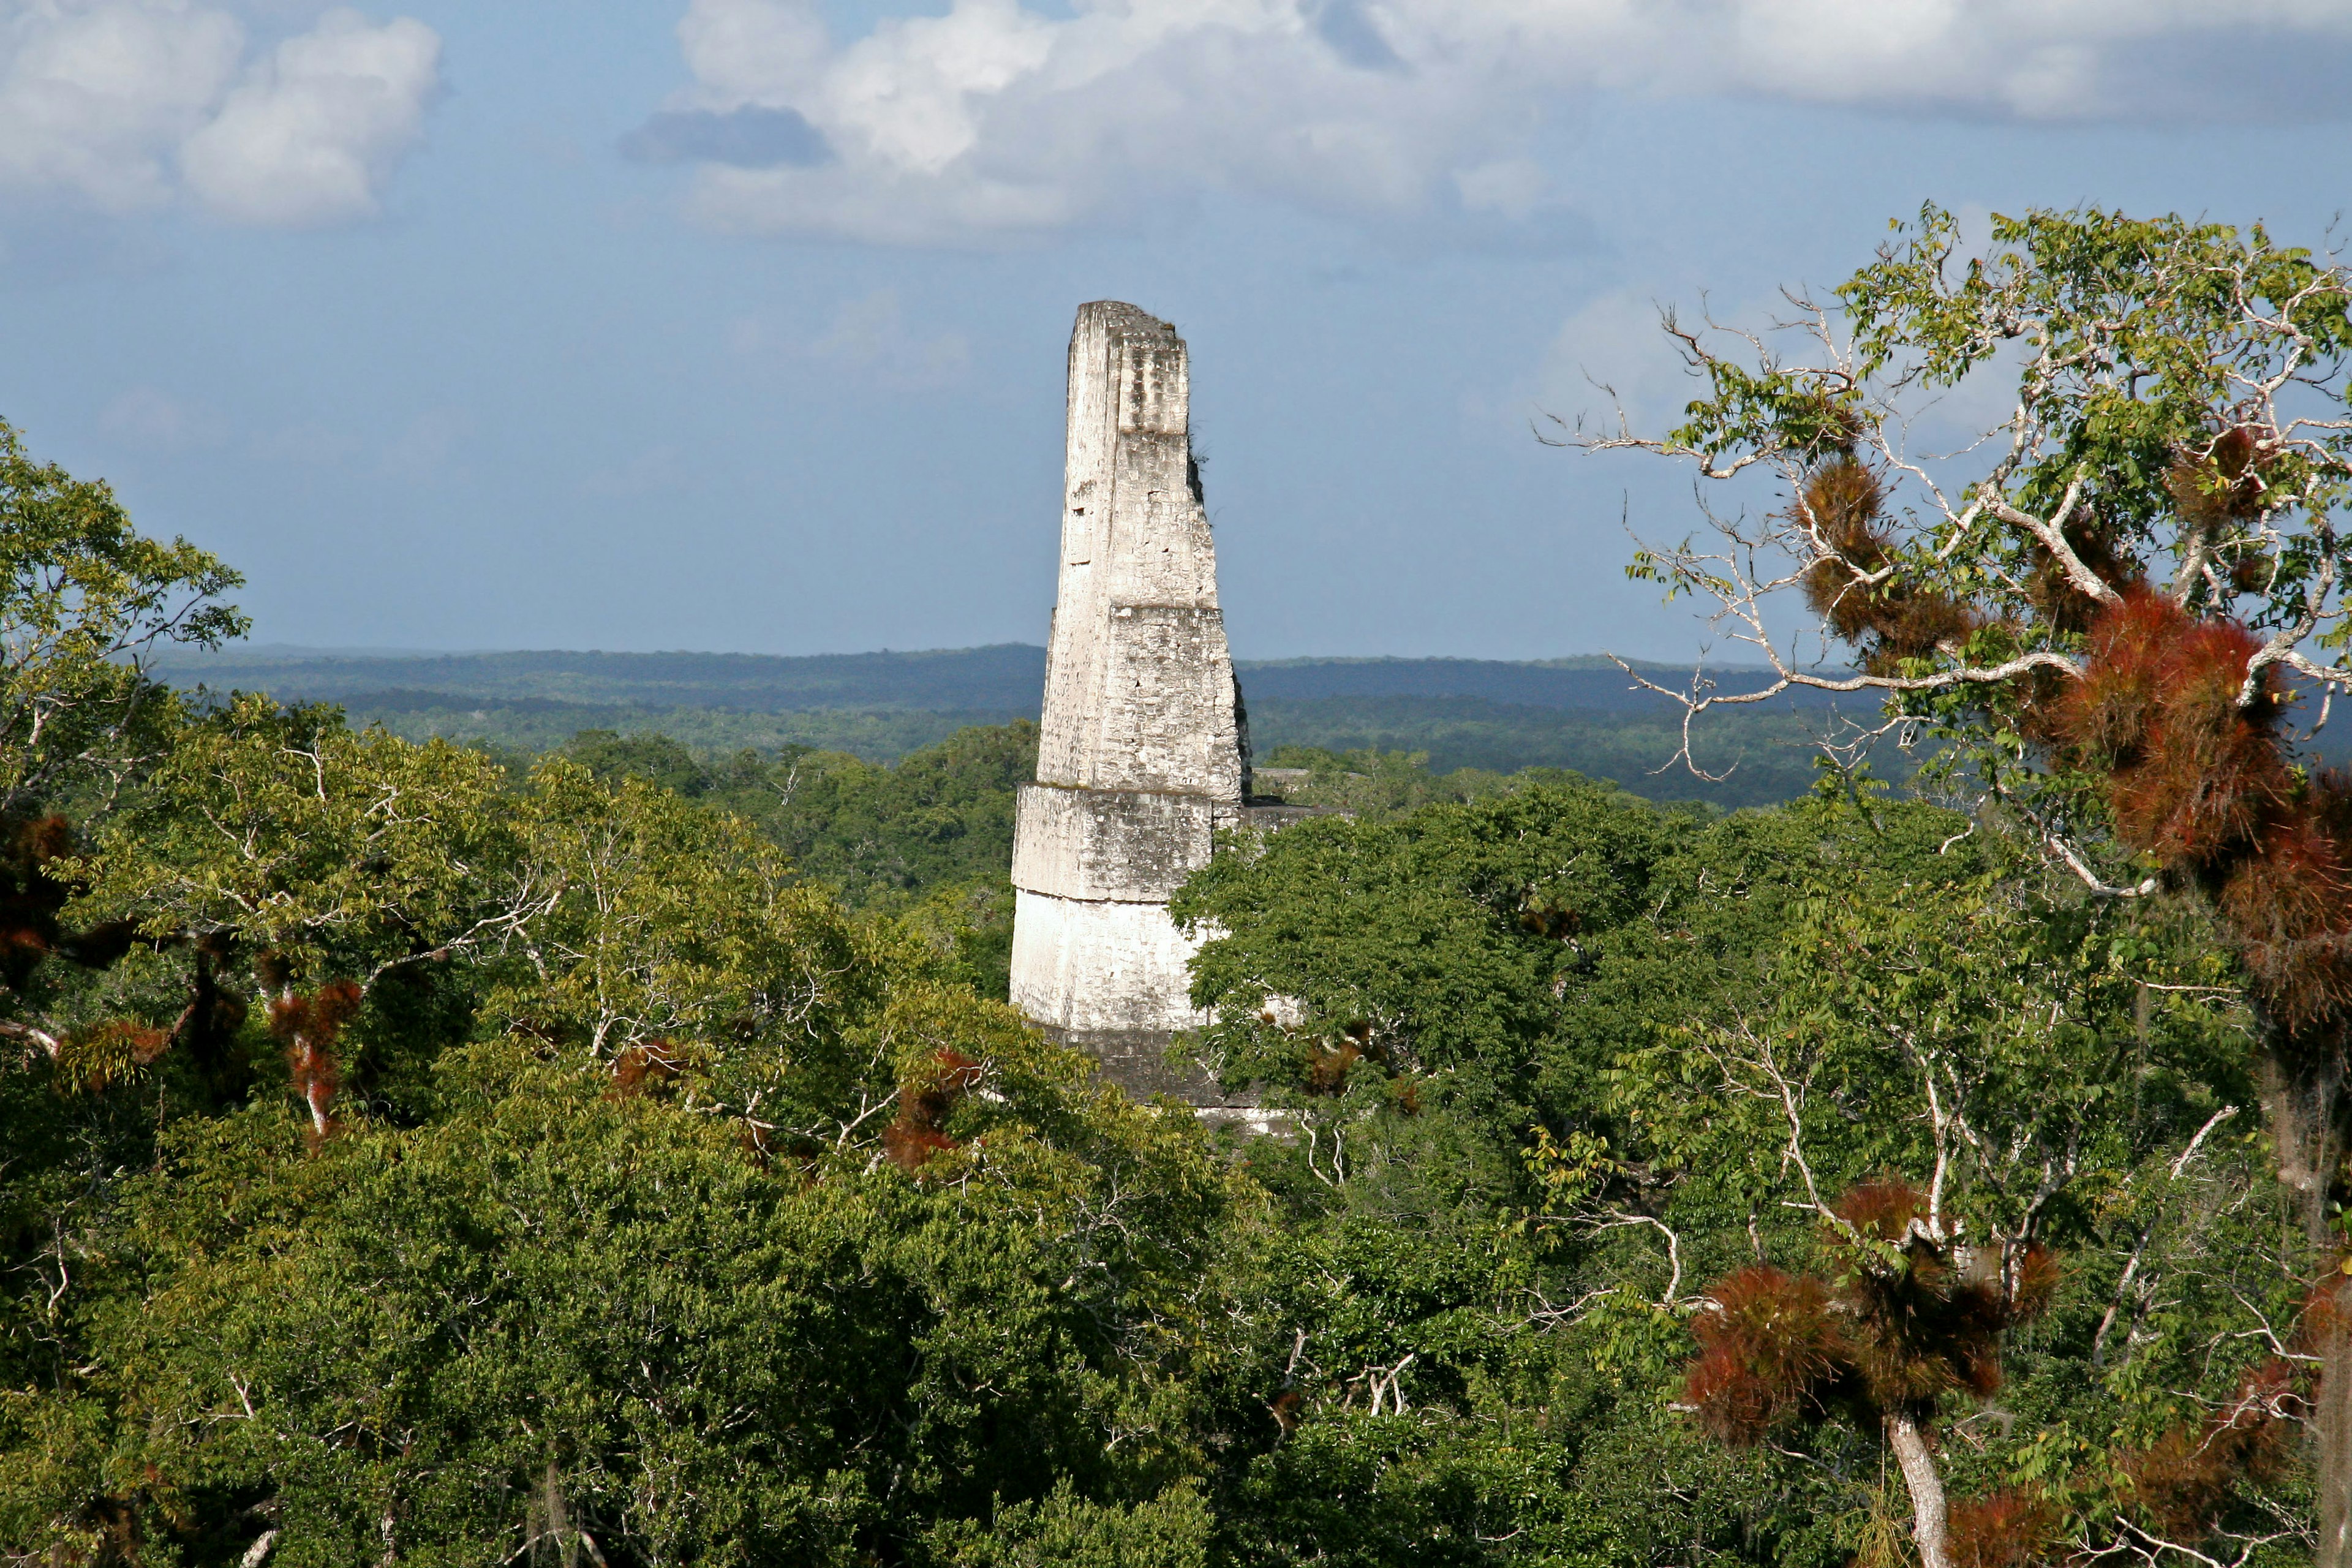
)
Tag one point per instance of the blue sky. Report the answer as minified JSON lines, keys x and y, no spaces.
{"x":739,"y":325}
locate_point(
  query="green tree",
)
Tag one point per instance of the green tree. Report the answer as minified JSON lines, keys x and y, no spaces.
{"x":939,"y":818}
{"x":739,"y":1230}
{"x":931,"y":836}
{"x":277,"y":844}
{"x":1372,"y":785}
{"x":84,"y":598}
{"x":1970,"y":1066}
{"x":594,"y":1320}
{"x":1537,"y":1046}
{"x":2099,"y":606}
{"x":82,"y":595}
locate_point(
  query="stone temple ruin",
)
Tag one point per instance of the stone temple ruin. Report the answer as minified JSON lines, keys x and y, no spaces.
{"x":1144,"y":751}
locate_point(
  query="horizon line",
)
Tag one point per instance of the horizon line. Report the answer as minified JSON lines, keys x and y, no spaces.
{"x":308,"y":651}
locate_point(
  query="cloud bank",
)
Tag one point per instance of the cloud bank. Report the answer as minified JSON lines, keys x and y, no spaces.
{"x":993,"y":122}
{"x":127,"y":106}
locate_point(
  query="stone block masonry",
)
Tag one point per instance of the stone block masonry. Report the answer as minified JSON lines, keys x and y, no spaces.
{"x":1143,"y":751}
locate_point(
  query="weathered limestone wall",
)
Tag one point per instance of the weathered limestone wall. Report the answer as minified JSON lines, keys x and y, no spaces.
{"x":1105,"y":966}
{"x":1142,"y":752}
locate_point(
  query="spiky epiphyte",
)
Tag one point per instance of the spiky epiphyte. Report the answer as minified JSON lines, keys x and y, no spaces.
{"x":1770,"y":1349}
{"x":2289,"y":906}
{"x":2195,"y":777}
{"x":643,"y":1068}
{"x":1928,"y":1319}
{"x":2212,"y":777}
{"x":2181,"y":1484}
{"x":2218,"y":490}
{"x":1910,"y":1317}
{"x":2107,"y":715}
{"x":1889,"y":620}
{"x":2051,"y":590}
{"x":2222,"y":484}
{"x":309,"y":1027}
{"x":926,"y":1099}
{"x":2007,"y":1528}
{"x":2206,"y":786}
{"x":96,"y":1056}
{"x":1840,"y":503}
{"x":1908,"y":1313}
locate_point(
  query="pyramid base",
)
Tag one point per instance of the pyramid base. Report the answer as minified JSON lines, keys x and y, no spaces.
{"x":1137,"y":1062}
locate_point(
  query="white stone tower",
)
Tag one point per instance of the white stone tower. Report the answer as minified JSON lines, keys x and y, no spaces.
{"x":1144,"y":749}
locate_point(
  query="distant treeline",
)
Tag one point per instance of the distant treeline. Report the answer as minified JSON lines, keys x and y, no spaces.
{"x":1006,"y":678}
{"x":879,"y":735}
{"x":1749,"y":757}
{"x":1754,"y":758}
{"x":1583,"y":715}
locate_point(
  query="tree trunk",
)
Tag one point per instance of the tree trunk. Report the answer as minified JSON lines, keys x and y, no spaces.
{"x":2332,"y":1423}
{"x":1930,"y":1517}
{"x":2303,"y":1100}
{"x":2304,"y":1106}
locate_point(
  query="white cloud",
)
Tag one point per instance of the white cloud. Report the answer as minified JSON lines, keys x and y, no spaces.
{"x":745,"y":51}
{"x":94,"y":99}
{"x":311,"y":133}
{"x":1515,"y":187}
{"x":130,"y":105}
{"x":993,"y":120}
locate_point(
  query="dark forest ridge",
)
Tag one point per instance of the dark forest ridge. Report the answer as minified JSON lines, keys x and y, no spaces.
{"x":1005,"y":679}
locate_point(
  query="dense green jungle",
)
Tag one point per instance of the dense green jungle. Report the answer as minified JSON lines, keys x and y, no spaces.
{"x":615,"y":1147}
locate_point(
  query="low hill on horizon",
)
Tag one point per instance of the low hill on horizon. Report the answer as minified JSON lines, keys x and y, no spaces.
{"x":1582,"y":713}
{"x":1004,"y":679}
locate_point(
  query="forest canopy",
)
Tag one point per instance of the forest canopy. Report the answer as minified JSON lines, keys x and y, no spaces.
{"x":622,"y":1153}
